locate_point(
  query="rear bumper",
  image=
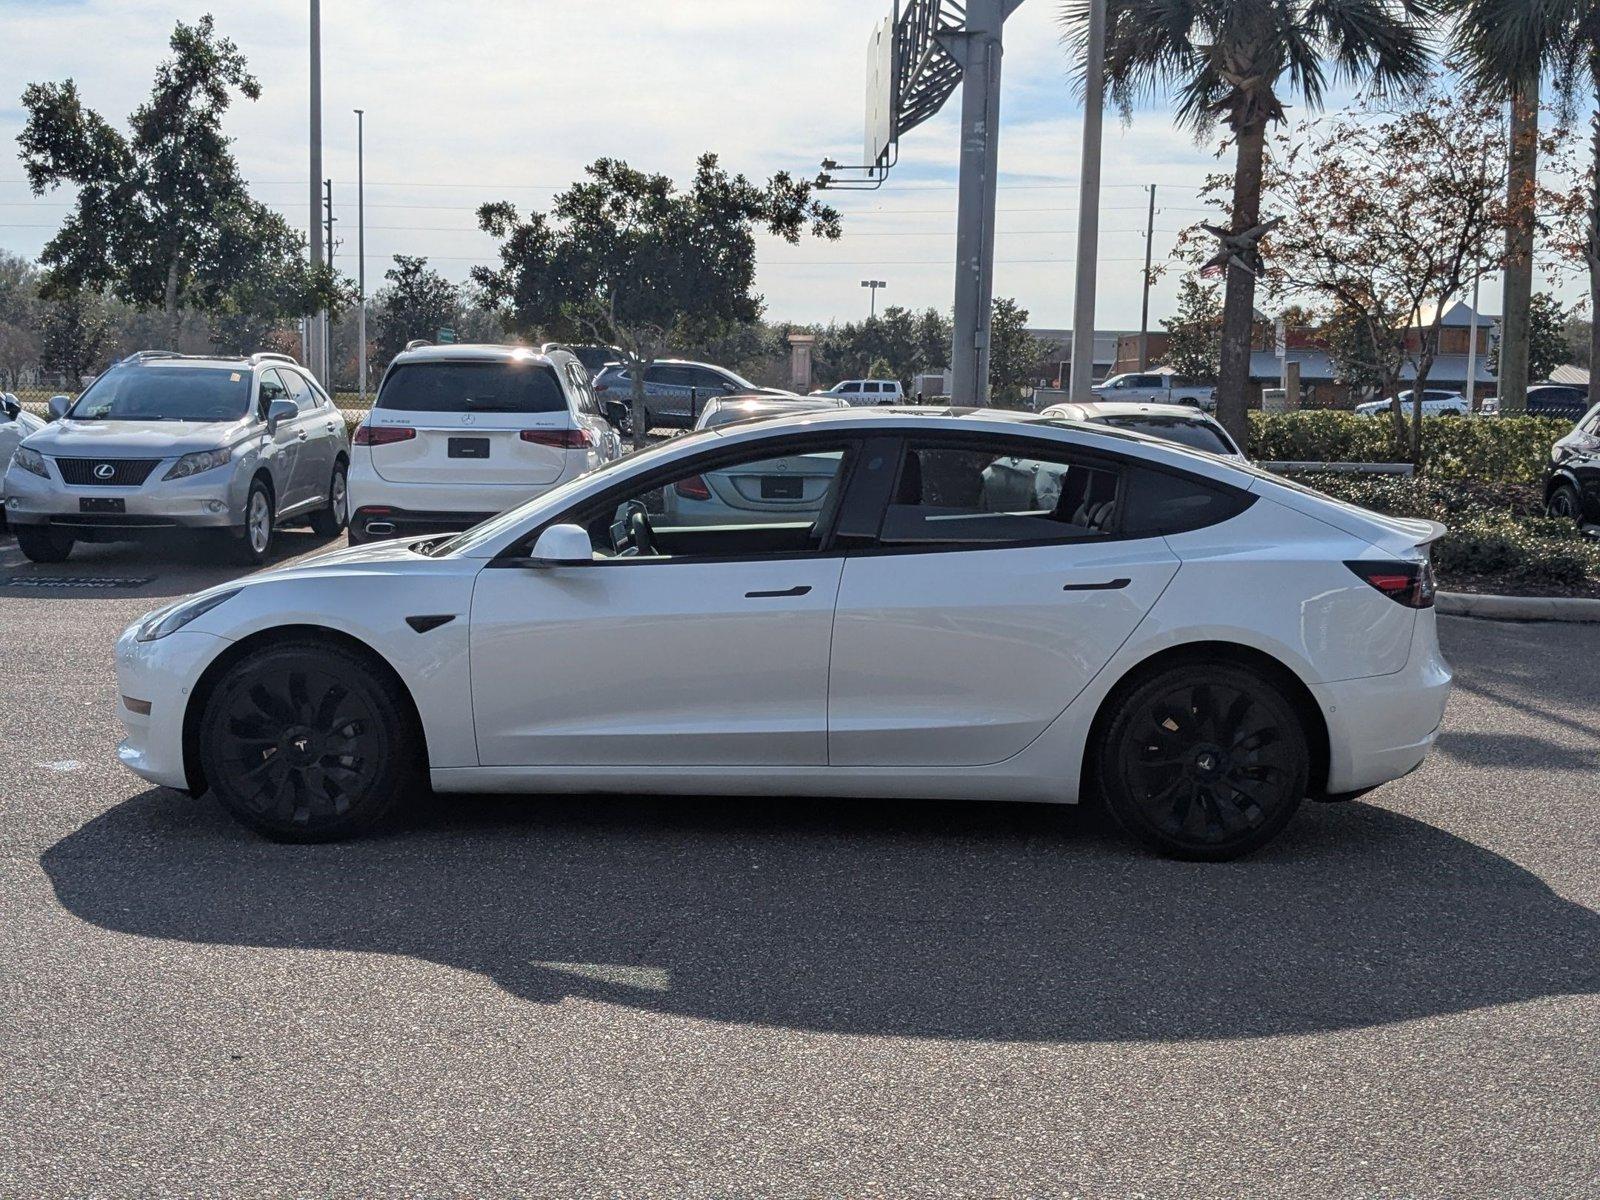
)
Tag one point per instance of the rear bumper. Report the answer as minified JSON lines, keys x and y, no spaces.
{"x":1382,"y":727}
{"x":374,"y":523}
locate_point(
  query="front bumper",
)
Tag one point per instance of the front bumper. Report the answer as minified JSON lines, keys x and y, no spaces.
{"x":162,"y":674}
{"x":210,"y":500}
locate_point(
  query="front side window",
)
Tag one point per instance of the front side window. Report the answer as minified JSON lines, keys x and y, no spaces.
{"x":272,"y":388}
{"x":962,"y":497}
{"x":482,"y":387}
{"x":769,"y":504}
{"x":852,"y":389}
{"x":165,"y":393}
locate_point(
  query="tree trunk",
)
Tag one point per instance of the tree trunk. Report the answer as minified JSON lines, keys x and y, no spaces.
{"x":169,"y":303}
{"x":1520,"y":191}
{"x":641,"y":417}
{"x":1239,"y":302}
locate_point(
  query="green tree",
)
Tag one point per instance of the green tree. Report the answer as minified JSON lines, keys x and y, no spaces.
{"x":910,"y":343}
{"x":417,"y":303}
{"x":1194,"y":332}
{"x":73,"y":332}
{"x":162,"y":217}
{"x":1547,"y":339}
{"x":1013,"y":351}
{"x":1237,"y":62}
{"x":880,"y":369}
{"x":629,"y":259}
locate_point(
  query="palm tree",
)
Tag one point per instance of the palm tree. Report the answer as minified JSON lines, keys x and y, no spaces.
{"x":1506,"y":46}
{"x":1235,"y":62}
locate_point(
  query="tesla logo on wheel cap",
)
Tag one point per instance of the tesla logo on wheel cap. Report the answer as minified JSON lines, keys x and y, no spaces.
{"x":104,"y":471}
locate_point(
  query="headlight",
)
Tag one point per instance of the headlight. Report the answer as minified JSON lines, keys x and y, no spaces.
{"x":200,"y":460}
{"x":31,"y":461}
{"x":175,"y":616}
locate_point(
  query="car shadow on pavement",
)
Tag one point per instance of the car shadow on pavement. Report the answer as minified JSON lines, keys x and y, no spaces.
{"x":1006,"y":922}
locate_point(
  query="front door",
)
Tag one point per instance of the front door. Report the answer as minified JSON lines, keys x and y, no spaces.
{"x":999,"y":587}
{"x":687,"y":641}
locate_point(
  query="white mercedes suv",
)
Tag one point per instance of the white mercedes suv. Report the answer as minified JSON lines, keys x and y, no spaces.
{"x":1199,"y":642}
{"x":460,"y":433}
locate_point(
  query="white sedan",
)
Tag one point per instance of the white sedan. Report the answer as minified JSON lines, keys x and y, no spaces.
{"x":1201,"y":643}
{"x":1436,"y":402}
{"x":16,"y":423}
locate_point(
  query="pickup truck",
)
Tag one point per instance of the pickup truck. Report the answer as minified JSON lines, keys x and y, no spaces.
{"x":1155,"y":388}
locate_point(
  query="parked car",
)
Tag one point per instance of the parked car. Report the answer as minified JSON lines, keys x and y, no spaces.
{"x":1549,"y":400}
{"x":1572,"y":482}
{"x":1203,"y":644}
{"x":16,"y":423}
{"x":675,"y":389}
{"x":1175,"y":422}
{"x":724,"y":410}
{"x":1436,"y":402}
{"x":1158,"y":387}
{"x":459,"y":433}
{"x":164,"y":441}
{"x":593,"y":357}
{"x":866,"y":391}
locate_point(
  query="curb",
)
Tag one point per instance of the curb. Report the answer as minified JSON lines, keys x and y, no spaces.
{"x":1517,"y":608}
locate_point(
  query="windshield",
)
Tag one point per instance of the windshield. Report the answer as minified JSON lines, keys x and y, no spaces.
{"x":1197,"y":435}
{"x":452,"y":387}
{"x":514,"y":518}
{"x":145,"y":393}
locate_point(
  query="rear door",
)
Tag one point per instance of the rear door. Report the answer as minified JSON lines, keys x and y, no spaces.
{"x":997,"y":585}
{"x":477,"y":421}
{"x":316,"y":432}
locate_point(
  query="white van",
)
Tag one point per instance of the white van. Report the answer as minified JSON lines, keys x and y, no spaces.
{"x":860,"y":392}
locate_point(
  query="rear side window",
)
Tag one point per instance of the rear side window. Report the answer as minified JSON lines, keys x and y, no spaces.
{"x":1158,"y":502}
{"x":502,"y":387}
{"x":1197,"y":435}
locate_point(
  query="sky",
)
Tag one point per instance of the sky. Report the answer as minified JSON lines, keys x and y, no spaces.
{"x":479,"y":100}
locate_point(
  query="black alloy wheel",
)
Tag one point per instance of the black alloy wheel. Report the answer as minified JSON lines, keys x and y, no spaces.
{"x":304,"y":741}
{"x":1204,"y":761}
{"x":1564,"y":503}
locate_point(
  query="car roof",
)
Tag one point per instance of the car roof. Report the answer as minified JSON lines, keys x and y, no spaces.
{"x":474,"y":352}
{"x":1132,"y":408}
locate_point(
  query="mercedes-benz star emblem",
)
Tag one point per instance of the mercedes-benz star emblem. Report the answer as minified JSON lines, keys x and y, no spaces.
{"x":104,"y":471}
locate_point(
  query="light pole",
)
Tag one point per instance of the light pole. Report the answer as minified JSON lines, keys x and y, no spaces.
{"x":874,"y":284}
{"x":318,"y":325}
{"x":1089,"y":206}
{"x":361,"y":254}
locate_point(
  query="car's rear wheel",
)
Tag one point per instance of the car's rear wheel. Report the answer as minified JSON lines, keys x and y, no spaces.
{"x":255,"y":541}
{"x":1564,"y":502}
{"x":1206,"y":761}
{"x":303,"y":741}
{"x":41,"y":544}
{"x":330,"y":521}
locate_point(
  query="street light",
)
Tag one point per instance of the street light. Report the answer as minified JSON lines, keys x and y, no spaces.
{"x":361,"y":253}
{"x":874,"y":284}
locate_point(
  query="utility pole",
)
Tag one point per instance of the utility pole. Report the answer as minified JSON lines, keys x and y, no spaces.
{"x":1089,"y":207}
{"x":874,"y":284}
{"x":1144,"y":306}
{"x":1472,"y":341}
{"x":361,"y":254}
{"x":318,"y":325}
{"x":977,"y":50}
{"x":327,"y":330}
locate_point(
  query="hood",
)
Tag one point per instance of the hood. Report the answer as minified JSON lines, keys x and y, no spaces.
{"x":136,"y":439}
{"x":374,"y":556}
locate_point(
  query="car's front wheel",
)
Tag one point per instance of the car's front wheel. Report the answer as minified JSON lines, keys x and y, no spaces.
{"x":254,"y":542}
{"x":1204,"y":761}
{"x":41,"y":544}
{"x":304,"y":741}
{"x":1564,"y":502}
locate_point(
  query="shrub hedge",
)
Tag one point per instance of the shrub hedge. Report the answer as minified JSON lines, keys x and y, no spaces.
{"x":1492,"y":449}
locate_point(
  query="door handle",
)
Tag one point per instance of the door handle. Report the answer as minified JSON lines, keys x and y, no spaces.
{"x":1110,"y":585}
{"x":799,"y":590}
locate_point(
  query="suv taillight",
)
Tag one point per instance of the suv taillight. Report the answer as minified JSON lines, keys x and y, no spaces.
{"x":692,"y":488}
{"x":561,"y":439}
{"x":1407,"y":583}
{"x":383,"y":435}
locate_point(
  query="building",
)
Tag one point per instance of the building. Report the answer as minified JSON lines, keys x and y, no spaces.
{"x":1056,"y":369}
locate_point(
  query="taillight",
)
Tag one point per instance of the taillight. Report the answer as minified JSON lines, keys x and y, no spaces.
{"x":600,"y":387}
{"x":383,"y":435}
{"x":561,"y":439}
{"x":1407,"y":583}
{"x":692,"y":488}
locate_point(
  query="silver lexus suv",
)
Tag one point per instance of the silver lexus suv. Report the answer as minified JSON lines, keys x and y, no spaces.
{"x":163,"y":441}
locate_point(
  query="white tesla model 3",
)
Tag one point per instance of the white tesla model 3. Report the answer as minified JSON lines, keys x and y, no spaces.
{"x":975,"y":604}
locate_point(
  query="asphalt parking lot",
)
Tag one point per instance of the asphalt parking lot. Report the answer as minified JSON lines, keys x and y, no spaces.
{"x":643,"y":996}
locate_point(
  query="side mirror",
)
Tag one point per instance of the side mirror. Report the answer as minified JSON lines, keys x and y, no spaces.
{"x":563,"y":546}
{"x":10,"y":405}
{"x":279,"y":411}
{"x":59,"y":406}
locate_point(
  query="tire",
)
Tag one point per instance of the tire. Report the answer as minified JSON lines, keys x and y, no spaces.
{"x":253,"y":546}
{"x":1205,"y":761}
{"x":1564,"y":502}
{"x":41,"y":544}
{"x":330,"y":522}
{"x":303,"y":741}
